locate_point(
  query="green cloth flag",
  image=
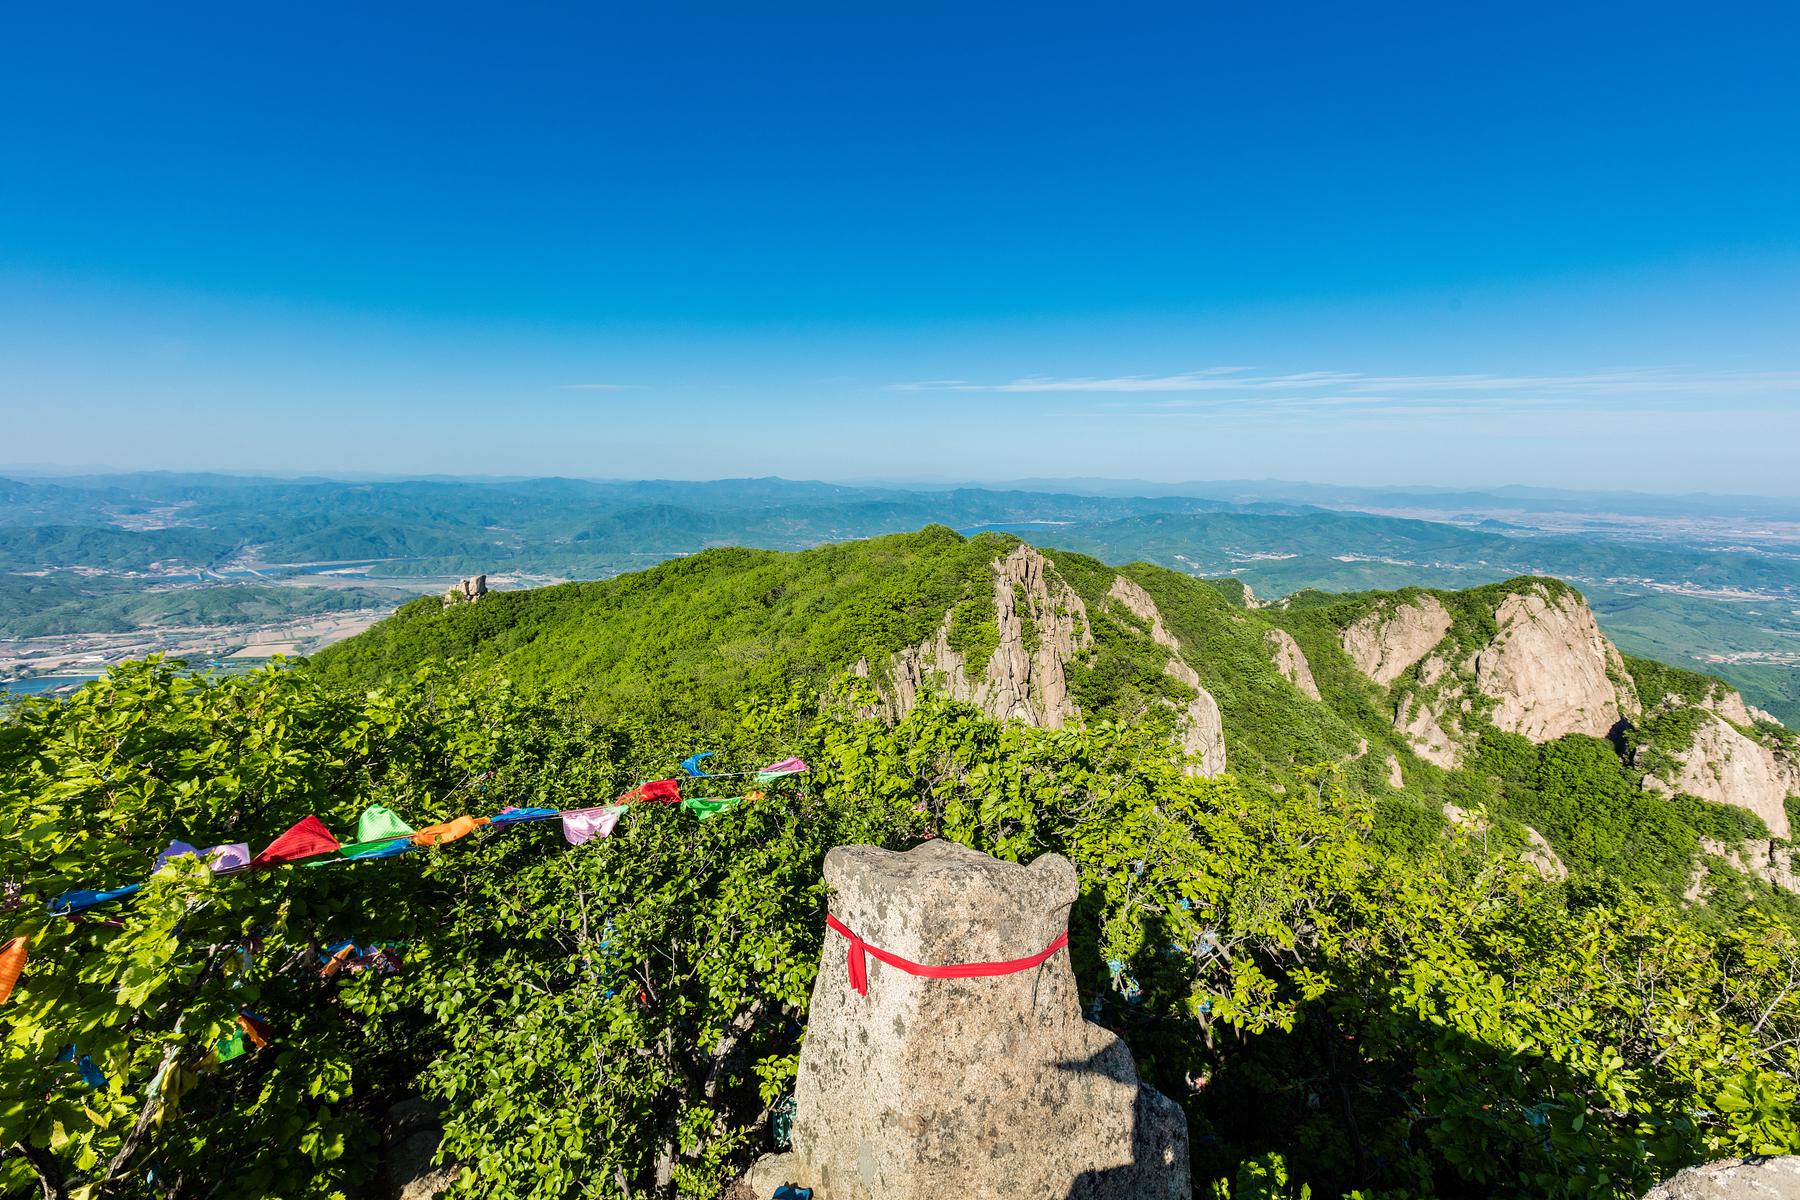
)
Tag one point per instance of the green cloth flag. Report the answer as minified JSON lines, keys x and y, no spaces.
{"x":711,"y":807}
{"x":232,"y":1045}
{"x":379,"y":833}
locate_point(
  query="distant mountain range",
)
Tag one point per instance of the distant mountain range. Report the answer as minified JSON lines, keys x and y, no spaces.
{"x":1707,"y":579}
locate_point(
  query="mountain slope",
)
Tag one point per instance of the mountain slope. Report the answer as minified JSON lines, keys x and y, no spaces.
{"x":1504,"y":698}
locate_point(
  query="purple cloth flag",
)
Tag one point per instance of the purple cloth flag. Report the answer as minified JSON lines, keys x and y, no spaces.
{"x":172,"y":850}
{"x":583,"y":823}
{"x":228,"y":857}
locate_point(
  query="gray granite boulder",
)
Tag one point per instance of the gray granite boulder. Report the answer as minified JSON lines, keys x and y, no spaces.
{"x":972,"y":1088}
{"x":1734,"y":1179}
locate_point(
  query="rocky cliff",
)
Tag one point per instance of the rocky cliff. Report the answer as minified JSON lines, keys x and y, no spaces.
{"x":1203,"y":732}
{"x":1728,"y":766}
{"x":1290,"y":660}
{"x":1025,"y":679}
{"x":1044,"y":629}
{"x":1550,"y":670}
{"x":1543,"y":670}
{"x":1389,"y":640}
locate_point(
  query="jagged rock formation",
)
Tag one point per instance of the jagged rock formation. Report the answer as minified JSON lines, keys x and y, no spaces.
{"x":1384,"y":644}
{"x":1019,"y":683}
{"x":1422,"y":723}
{"x":1550,"y":670}
{"x":1030,"y":683}
{"x":1775,"y":1178}
{"x":977,"y":1088}
{"x":1290,"y":660}
{"x":1203,"y":732}
{"x":1396,"y":777}
{"x":1724,"y":765}
{"x":1775,"y":863}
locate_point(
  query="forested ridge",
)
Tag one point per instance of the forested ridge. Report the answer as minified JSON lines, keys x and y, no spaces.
{"x":1342,"y":989}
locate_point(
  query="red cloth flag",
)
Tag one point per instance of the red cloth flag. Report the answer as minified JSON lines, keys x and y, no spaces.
{"x":661,"y":791}
{"x":306,"y":839}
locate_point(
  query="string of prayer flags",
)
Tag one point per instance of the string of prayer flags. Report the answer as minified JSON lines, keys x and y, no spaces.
{"x":448,"y":831}
{"x":12,"y":965}
{"x":380,"y":833}
{"x":662,"y":791}
{"x":580,"y":824}
{"x":304,"y":839}
{"x":514,"y":816}
{"x":775,"y":770}
{"x":83,"y":899}
{"x":691,"y":764}
{"x":707,"y":809}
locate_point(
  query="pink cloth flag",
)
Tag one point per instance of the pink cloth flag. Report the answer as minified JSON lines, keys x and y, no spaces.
{"x":580,"y":824}
{"x":775,"y":770}
{"x":228,"y":857}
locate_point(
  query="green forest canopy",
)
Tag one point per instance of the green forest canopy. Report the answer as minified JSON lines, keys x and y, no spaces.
{"x":1339,"y":988}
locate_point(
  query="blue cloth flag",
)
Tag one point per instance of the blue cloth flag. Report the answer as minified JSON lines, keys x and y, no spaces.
{"x":513,"y":816}
{"x":691,"y":764}
{"x":91,"y":1075}
{"x":81,"y":901}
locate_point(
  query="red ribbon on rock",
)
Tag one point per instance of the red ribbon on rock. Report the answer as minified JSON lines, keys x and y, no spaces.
{"x":859,"y":967}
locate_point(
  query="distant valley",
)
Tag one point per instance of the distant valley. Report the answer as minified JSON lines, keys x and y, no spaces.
{"x":230,"y":569}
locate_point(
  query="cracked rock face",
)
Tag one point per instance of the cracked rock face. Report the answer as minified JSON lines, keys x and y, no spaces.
{"x":1029,"y":685}
{"x":1290,"y":660}
{"x":1203,"y":730}
{"x":1771,"y":861}
{"x":1727,"y":767}
{"x":1384,"y":644}
{"x":975,"y":1088}
{"x":1551,"y":670}
{"x":1422,"y":725}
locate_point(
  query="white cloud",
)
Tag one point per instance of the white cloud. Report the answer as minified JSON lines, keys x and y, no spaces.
{"x":1242,"y":387}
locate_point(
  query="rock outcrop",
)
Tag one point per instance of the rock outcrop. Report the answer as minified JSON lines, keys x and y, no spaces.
{"x":1550,"y":670}
{"x":1290,"y":660}
{"x":1203,"y":730}
{"x":977,"y":1088}
{"x":1020,"y":682}
{"x":1724,"y":765}
{"x":1771,"y":1178}
{"x":1422,"y":724}
{"x":1383,"y":644}
{"x":1775,"y":863}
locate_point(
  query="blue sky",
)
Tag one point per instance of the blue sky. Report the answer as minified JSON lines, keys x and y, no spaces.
{"x":1552,"y":244}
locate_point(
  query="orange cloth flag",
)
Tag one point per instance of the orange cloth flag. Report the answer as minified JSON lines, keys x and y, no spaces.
{"x":12,"y":964}
{"x":449,"y":831}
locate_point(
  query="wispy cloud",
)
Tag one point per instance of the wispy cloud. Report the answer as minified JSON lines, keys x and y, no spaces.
{"x":599,"y":387}
{"x":1217,"y":388}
